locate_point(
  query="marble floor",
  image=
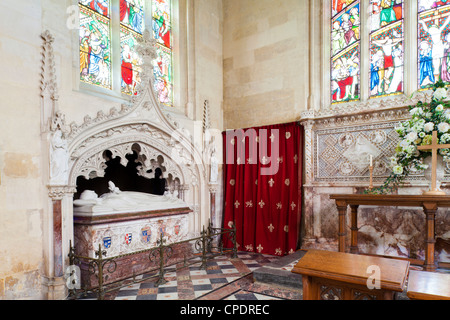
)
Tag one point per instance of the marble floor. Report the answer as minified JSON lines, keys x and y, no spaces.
{"x":224,"y":279}
{"x":250,"y":276}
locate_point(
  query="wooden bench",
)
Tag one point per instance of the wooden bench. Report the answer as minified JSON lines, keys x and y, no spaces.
{"x":343,"y":276}
{"x":428,"y":286}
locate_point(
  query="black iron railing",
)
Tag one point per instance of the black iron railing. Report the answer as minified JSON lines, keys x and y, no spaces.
{"x":207,"y":246}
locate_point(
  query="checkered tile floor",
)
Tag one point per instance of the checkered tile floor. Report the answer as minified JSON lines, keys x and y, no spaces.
{"x":190,"y":283}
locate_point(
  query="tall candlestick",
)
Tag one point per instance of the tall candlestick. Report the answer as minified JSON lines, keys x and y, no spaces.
{"x":371,"y":177}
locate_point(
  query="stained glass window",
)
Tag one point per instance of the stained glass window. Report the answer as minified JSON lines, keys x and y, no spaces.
{"x":131,"y":61}
{"x":132,"y":24}
{"x":95,"y":42}
{"x":433,"y":42}
{"x":386,"y":47}
{"x":162,"y":30}
{"x":345,"y":44}
{"x":97,"y":34}
{"x":132,"y":14}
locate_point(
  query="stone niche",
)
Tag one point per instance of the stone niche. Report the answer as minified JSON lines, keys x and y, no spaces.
{"x":118,"y":224}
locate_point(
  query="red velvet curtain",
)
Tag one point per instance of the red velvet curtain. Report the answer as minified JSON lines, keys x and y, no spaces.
{"x":262,"y":182}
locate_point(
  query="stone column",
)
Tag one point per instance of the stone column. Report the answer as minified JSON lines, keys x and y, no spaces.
{"x":57,"y":258}
{"x":213,"y":187}
{"x":310,"y":237}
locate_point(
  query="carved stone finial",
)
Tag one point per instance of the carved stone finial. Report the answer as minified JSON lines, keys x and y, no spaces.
{"x":206,"y":117}
{"x":146,"y":48}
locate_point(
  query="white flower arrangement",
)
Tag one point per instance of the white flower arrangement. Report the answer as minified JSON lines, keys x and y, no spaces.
{"x":425,"y":118}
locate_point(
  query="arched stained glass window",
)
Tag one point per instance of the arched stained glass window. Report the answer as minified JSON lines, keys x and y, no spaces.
{"x":131,"y":29}
{"x":433,"y":42}
{"x":95,"y":42}
{"x":162,"y":32}
{"x":100,"y":34}
{"x":386,"y":47}
{"x":346,"y":50}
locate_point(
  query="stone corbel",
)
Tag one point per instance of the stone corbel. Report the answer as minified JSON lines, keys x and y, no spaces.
{"x":213,"y":188}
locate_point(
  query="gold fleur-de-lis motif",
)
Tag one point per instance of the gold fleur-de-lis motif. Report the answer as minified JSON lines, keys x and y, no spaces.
{"x":249,"y":247}
{"x":271,"y":182}
{"x":237,"y":204}
{"x":249,"y":204}
{"x":260,"y":248}
{"x":287,"y":182}
{"x":278,"y":251}
{"x":295,"y":158}
{"x":279,"y":205}
{"x":293,"y":206}
{"x":271,"y":227}
{"x":261,"y":204}
{"x":232,"y":182}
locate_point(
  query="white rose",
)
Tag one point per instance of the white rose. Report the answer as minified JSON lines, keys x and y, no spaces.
{"x":428,"y":127}
{"x":440,"y":108}
{"x":398,"y":169}
{"x":443,"y":127}
{"x":404,"y":144}
{"x":416,"y":111}
{"x":412,"y":136}
{"x":440,"y":93}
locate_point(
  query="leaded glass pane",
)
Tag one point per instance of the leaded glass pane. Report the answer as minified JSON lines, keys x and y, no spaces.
{"x":386,"y":47}
{"x":163,"y":75}
{"x":161,"y":25}
{"x":433,"y":42}
{"x":99,"y":6}
{"x":132,"y":14}
{"x":131,"y":61}
{"x":345,"y":43}
{"x":95,"y":48}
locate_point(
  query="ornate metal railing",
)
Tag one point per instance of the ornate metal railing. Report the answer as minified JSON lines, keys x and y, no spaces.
{"x":207,"y":246}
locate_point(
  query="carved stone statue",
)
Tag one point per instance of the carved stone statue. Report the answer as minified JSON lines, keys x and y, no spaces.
{"x":59,"y":158}
{"x":117,"y":201}
{"x":214,"y":167}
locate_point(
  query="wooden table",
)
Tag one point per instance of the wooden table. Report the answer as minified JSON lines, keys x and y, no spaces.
{"x":428,"y":286}
{"x":343,"y":276}
{"x":429,"y":204}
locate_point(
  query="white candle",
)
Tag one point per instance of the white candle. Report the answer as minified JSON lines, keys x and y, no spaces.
{"x":371,"y":160}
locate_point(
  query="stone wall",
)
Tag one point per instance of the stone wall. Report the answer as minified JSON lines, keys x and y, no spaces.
{"x":26,"y":239}
{"x":21,"y":190}
{"x":266,"y":61}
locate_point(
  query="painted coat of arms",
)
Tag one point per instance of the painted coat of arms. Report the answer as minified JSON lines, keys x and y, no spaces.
{"x":107,"y":242}
{"x":146,"y":234}
{"x":128,"y":238}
